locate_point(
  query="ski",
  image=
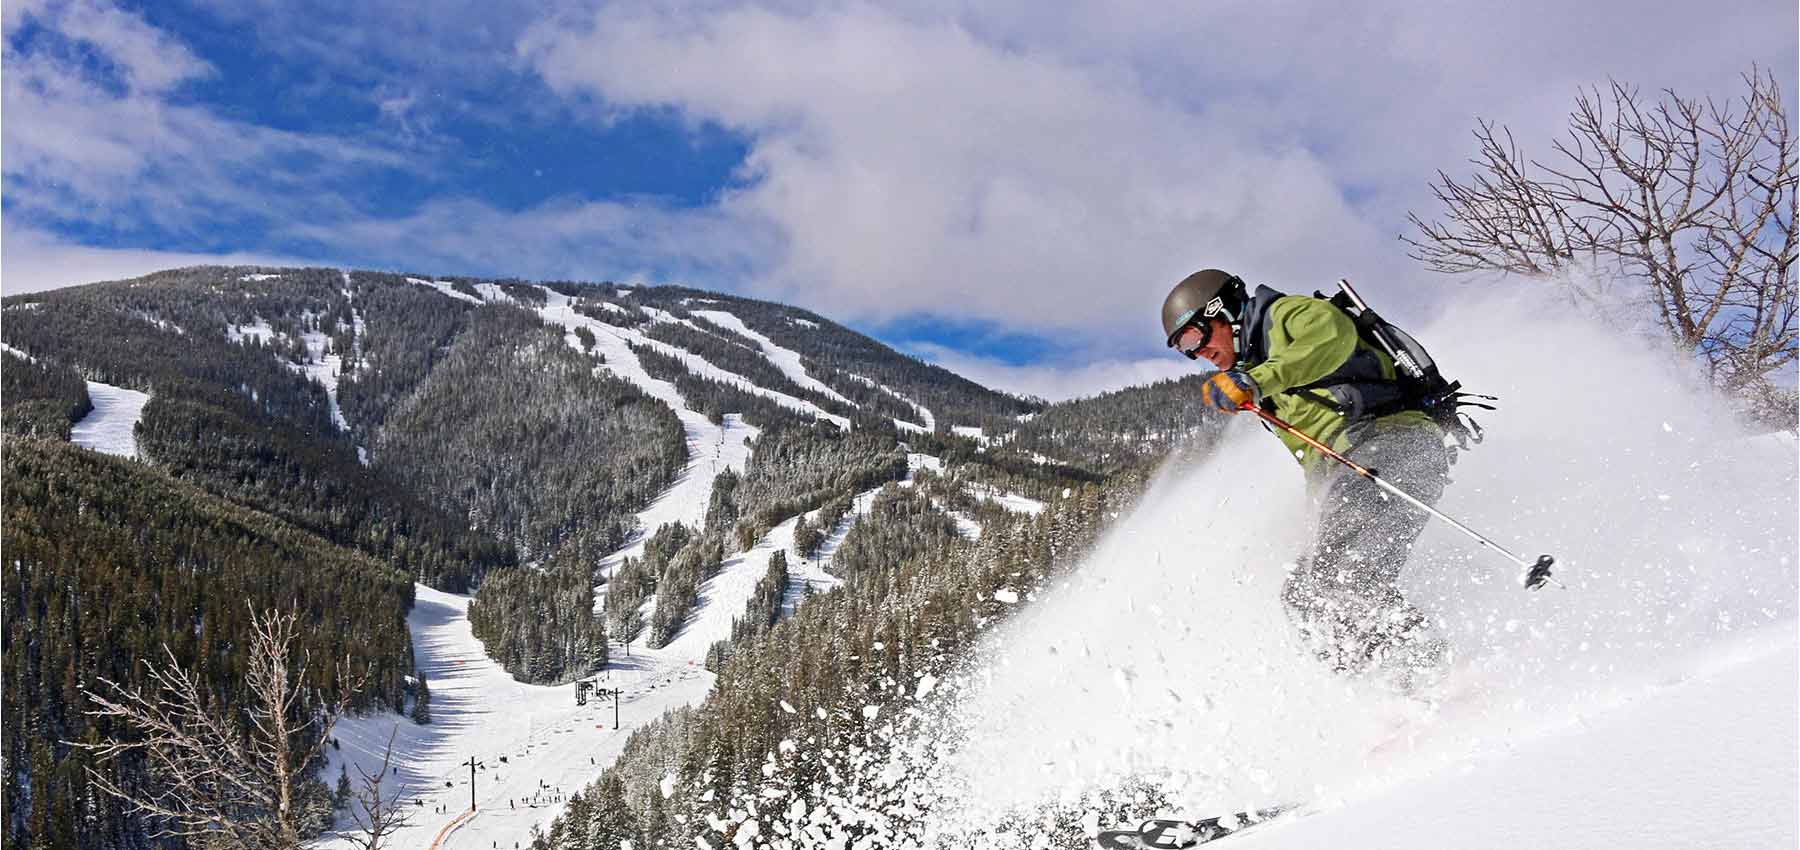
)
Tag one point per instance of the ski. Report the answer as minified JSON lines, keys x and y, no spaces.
{"x":1169,"y":834}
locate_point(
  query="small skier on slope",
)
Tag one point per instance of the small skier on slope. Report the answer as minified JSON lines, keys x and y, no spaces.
{"x":1303,"y":358}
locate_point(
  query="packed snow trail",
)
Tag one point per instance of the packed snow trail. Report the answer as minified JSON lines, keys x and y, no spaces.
{"x":111,"y":427}
{"x":1168,"y":659}
{"x":785,"y":359}
{"x":535,"y":745}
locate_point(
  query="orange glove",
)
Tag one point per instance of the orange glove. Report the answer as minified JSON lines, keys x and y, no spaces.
{"x":1229,"y":391}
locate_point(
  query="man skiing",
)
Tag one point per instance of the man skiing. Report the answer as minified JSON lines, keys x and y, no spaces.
{"x":1303,"y":357}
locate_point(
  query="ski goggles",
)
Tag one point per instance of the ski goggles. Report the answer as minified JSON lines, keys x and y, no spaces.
{"x":1192,"y":352}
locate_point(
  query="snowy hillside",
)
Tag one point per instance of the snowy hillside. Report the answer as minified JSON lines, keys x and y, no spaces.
{"x":108,"y":427}
{"x":537,"y":746}
{"x":1649,"y":703}
{"x":403,"y":422}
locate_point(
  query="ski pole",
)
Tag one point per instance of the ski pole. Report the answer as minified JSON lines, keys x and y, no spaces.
{"x":1536,"y":575}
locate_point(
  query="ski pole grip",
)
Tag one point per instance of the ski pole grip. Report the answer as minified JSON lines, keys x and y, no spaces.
{"x":1539,"y":574}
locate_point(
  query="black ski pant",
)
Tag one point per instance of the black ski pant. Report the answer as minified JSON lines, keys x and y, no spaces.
{"x":1344,"y":593}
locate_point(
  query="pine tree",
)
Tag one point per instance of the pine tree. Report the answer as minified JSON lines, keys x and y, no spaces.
{"x":421,"y":707}
{"x":610,"y":824}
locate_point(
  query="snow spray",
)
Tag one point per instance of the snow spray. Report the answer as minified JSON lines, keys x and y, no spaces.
{"x":1166,"y":660}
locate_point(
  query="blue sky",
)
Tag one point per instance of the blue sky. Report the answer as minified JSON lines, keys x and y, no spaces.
{"x":1007,"y":188}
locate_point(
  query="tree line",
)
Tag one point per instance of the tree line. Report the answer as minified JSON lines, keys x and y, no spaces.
{"x":110,"y":564}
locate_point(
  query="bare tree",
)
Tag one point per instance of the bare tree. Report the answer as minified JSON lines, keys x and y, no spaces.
{"x":379,"y":813}
{"x":211,"y":779}
{"x":1689,"y":202}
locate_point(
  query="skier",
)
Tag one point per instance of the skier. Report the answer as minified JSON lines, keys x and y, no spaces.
{"x":1303,"y":359}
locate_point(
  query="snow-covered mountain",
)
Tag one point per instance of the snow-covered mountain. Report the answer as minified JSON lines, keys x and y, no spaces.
{"x":902,"y":611}
{"x":1648,"y":702}
{"x":530,"y":440}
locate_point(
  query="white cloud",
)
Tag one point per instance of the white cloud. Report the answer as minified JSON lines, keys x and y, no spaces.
{"x":600,"y":240}
{"x":33,"y":261}
{"x":110,"y":143}
{"x":147,"y":60}
{"x":915,"y":168}
{"x":1057,"y":379}
{"x":1058,"y":166}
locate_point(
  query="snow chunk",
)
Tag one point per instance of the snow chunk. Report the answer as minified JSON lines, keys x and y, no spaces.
{"x":668,"y":786}
{"x":927,"y":684}
{"x":1007,"y":596}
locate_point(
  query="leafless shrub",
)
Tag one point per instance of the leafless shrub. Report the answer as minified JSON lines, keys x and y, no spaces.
{"x":211,"y":782}
{"x":1690,"y":203}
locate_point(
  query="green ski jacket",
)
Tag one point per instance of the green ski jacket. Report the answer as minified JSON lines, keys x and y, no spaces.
{"x":1308,"y":339}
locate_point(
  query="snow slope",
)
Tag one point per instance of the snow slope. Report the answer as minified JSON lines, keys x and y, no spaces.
{"x":534,"y":743}
{"x":785,"y":359}
{"x":323,"y":369}
{"x":924,"y":413}
{"x":111,"y":426}
{"x":1648,"y":703}
{"x":551,"y":746}
{"x":1706,"y":757}
{"x":711,"y":448}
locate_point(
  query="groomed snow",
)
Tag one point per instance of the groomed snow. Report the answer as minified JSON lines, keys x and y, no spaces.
{"x":535,"y":745}
{"x":711,"y":448}
{"x":614,"y":342}
{"x":111,"y":427}
{"x":785,"y":359}
{"x":901,"y":424}
{"x":446,"y":289}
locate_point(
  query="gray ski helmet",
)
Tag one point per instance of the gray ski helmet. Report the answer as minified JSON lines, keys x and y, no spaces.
{"x":1205,"y":294}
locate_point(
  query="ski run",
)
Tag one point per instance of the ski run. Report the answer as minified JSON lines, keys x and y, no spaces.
{"x":532,"y":744}
{"x":111,"y":427}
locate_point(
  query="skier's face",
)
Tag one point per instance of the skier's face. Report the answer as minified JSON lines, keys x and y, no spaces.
{"x":1219,"y":349}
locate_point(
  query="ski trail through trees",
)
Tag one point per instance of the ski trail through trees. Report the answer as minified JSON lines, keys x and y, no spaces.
{"x":111,"y":427}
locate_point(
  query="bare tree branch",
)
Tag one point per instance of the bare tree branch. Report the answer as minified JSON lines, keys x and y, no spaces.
{"x":213,"y":777}
{"x":1690,"y":201}
{"x":378,"y":813}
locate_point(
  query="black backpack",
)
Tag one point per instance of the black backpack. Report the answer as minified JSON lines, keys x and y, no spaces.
{"x":1422,"y":386}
